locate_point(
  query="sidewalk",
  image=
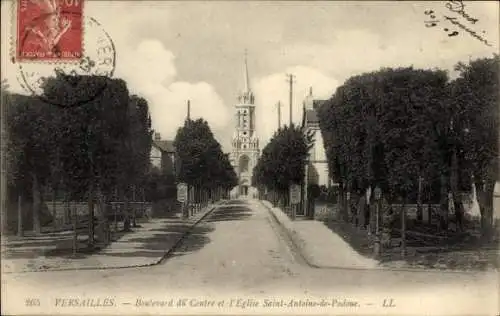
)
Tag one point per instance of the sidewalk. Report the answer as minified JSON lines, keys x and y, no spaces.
{"x":320,"y":247}
{"x":325,"y":246}
{"x":144,"y":246}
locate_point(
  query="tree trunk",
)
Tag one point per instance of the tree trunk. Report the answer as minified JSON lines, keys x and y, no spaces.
{"x":20,"y":230}
{"x":115,"y":207}
{"x":459,"y":211}
{"x":67,"y":209}
{"x":134,"y":215}
{"x":419,"y":200}
{"x":90,"y":205}
{"x":429,"y":204}
{"x":189,"y":204}
{"x":444,"y":203}
{"x":485,"y":201}
{"x":143,"y":198}
{"x":457,"y":203}
{"x":37,"y":204}
{"x":403,"y":229}
{"x":103,"y":217}
{"x":203,"y":198}
{"x":75,"y":229}
{"x":115,"y":217}
{"x":126,"y":210}
{"x":54,"y":213}
{"x":343,"y":203}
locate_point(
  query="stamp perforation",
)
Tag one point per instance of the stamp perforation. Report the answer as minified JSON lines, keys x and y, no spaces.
{"x":53,"y":61}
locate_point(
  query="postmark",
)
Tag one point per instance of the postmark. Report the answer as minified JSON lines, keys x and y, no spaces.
{"x":49,"y":30}
{"x":98,"y":59}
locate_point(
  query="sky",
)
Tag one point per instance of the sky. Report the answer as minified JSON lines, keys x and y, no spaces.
{"x":169,"y":52}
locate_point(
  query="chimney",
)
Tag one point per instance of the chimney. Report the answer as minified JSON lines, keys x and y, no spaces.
{"x":157,"y":136}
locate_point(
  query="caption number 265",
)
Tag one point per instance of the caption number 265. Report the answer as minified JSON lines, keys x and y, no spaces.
{"x":31,"y":302}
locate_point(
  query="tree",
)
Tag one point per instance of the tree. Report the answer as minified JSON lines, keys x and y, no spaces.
{"x":85,"y":147}
{"x":474,"y":103}
{"x":379,"y":130}
{"x":141,"y":141}
{"x":200,"y":160}
{"x":93,"y":138}
{"x":29,"y":124}
{"x":283,"y":160}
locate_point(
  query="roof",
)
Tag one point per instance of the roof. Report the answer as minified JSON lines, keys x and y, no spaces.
{"x":311,"y":115}
{"x":165,"y":145}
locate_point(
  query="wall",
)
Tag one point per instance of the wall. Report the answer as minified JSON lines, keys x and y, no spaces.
{"x":168,"y":162}
{"x":155,"y":157}
{"x":318,"y":158}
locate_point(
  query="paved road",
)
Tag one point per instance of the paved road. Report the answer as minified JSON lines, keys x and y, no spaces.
{"x":240,"y":252}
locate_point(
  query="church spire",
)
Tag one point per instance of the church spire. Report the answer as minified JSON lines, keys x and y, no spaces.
{"x":247,"y":80}
{"x":246,"y":95}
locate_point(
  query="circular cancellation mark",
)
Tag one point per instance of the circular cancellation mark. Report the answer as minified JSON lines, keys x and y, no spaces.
{"x":99,"y":57}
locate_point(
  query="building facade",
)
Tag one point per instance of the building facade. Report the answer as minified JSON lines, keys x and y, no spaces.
{"x":245,"y":143}
{"x":318,"y":164}
{"x":162,"y":154}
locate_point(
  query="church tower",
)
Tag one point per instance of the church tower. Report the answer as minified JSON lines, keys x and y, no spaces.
{"x":245,"y":144}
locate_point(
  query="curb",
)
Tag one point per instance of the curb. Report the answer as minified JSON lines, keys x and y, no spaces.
{"x":156,"y":262}
{"x":291,"y":234}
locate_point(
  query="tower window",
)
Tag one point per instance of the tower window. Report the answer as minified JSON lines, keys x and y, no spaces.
{"x":244,"y":146}
{"x":244,"y":133}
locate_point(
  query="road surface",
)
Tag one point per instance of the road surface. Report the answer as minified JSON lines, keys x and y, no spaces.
{"x":239,"y":260}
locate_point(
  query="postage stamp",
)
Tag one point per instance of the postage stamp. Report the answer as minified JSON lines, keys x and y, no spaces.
{"x":98,"y":59}
{"x":49,"y":30}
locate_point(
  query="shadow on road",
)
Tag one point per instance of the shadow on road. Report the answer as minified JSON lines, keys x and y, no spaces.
{"x":165,"y":238}
{"x":230,"y":213}
{"x":237,"y":202}
{"x":194,"y":241}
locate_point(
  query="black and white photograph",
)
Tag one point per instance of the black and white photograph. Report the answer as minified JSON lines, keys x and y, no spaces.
{"x":250,"y":157}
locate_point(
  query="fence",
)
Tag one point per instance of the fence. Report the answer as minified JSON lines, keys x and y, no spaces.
{"x":62,"y":212}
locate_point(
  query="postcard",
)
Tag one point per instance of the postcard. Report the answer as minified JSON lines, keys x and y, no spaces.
{"x":250,"y":157}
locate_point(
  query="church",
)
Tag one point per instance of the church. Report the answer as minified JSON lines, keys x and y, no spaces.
{"x":245,"y":143}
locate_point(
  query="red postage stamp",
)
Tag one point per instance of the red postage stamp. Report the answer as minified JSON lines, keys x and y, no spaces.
{"x":49,"y":30}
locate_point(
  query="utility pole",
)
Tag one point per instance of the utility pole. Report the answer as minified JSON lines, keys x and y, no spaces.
{"x":189,"y":110}
{"x":293,"y":207}
{"x":278,"y":105}
{"x":290,"y":81}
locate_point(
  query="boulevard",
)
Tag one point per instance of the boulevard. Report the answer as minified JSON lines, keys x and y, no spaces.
{"x":240,"y":255}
